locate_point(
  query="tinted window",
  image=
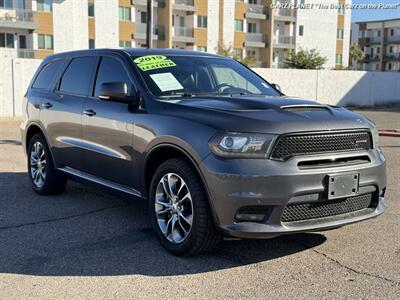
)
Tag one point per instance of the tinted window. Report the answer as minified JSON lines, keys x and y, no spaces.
{"x":47,"y":74}
{"x":77,"y":77}
{"x":111,"y":70}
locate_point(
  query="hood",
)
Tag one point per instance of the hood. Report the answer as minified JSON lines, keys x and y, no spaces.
{"x":265,"y":114}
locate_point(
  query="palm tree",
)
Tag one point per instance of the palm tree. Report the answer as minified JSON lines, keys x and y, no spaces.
{"x":356,"y":54}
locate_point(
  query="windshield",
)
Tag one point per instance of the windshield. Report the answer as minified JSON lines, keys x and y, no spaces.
{"x":190,"y":76}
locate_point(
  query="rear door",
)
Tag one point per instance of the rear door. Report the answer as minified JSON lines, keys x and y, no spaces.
{"x":107,"y":127}
{"x":62,"y":111}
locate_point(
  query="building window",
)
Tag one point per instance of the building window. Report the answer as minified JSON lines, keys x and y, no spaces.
{"x":90,"y":9}
{"x":252,"y":1}
{"x":379,"y":33}
{"x":45,"y":41}
{"x":6,"y":3}
{"x":201,"y":48}
{"x":6,"y":40}
{"x":45,"y":5}
{"x":143,"y":17}
{"x":389,"y":66}
{"x":239,"y":25}
{"x":251,"y":27}
{"x":378,"y":50}
{"x":391,"y":32}
{"x":340,"y":33}
{"x":91,"y":44}
{"x":341,"y":10}
{"x":125,"y":44}
{"x":238,"y":53}
{"x":202,"y":21}
{"x":301,"y":30}
{"x":391,"y":49}
{"x":124,"y":13}
{"x":339,"y":59}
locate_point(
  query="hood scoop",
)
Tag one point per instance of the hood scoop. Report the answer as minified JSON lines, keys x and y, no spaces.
{"x":304,"y":108}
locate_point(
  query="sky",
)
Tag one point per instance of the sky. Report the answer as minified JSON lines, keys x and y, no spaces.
{"x":375,"y":14}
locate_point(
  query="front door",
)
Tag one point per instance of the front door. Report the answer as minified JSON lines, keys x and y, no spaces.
{"x":107,"y":129}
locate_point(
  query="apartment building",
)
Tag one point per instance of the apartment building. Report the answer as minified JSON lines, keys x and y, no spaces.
{"x":380,"y":41}
{"x":37,"y":28}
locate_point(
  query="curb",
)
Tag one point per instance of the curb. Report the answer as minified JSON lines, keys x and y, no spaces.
{"x":388,"y":132}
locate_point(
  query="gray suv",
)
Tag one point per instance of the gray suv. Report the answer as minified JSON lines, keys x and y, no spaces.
{"x":212,"y":148}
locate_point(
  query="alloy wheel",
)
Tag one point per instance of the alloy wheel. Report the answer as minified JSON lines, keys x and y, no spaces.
{"x":38,"y":164}
{"x":174,"y":208}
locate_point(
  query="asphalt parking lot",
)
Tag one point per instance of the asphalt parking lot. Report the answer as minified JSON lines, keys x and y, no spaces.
{"x":90,"y":243}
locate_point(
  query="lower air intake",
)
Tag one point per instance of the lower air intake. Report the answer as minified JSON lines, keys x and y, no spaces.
{"x":309,"y":211}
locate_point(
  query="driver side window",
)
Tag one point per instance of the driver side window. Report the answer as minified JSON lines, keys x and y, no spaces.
{"x":230,"y":77}
{"x":111,"y":70}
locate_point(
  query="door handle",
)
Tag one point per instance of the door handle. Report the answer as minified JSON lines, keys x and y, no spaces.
{"x":89,"y":112}
{"x":46,"y":105}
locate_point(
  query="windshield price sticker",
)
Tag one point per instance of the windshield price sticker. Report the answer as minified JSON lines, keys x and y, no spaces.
{"x":166,"y":82}
{"x":153,"y":62}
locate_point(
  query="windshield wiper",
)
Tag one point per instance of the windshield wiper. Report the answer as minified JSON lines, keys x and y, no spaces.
{"x":188,"y":95}
{"x":178,"y":95}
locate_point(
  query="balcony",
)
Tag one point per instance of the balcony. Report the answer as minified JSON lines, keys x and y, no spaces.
{"x":183,"y":34}
{"x":27,"y":53}
{"x":257,"y":40}
{"x":369,"y":58}
{"x":391,"y":57}
{"x":141,"y":29}
{"x":17,"y":18}
{"x":156,"y":3}
{"x":185,"y":5}
{"x":256,"y":11}
{"x":285,"y":42}
{"x":18,"y":53}
{"x":374,"y":40}
{"x":285,"y":14}
{"x":393,"y":38}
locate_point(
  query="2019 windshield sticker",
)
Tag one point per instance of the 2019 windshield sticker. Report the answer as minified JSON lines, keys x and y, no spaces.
{"x":153,"y":62}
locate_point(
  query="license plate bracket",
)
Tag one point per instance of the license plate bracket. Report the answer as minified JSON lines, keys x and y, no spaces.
{"x":343,"y":185}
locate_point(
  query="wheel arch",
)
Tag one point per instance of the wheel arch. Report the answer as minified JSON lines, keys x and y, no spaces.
{"x":163,"y":152}
{"x":33,"y":129}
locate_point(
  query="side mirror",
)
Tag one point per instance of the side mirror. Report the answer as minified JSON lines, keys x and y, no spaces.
{"x":276,"y":86}
{"x":116,"y":91}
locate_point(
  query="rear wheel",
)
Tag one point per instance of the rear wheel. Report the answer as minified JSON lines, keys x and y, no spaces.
{"x":45,"y":179}
{"x":179,"y":210}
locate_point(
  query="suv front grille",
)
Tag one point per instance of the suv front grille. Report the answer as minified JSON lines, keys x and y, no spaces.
{"x":288,"y":146}
{"x":315,"y":210}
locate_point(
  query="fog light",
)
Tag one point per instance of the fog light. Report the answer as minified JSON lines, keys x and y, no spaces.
{"x":249,"y":217}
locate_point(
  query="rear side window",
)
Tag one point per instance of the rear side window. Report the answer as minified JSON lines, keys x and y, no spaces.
{"x":77,"y":77}
{"x":111,"y":70}
{"x":47,"y":74}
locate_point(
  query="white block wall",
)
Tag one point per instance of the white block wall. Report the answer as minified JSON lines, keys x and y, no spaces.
{"x":343,"y":88}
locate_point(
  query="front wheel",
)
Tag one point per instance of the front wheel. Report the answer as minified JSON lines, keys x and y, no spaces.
{"x":179,"y":210}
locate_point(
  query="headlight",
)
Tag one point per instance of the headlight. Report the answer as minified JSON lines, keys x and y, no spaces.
{"x":375,"y":136}
{"x":242,"y":145}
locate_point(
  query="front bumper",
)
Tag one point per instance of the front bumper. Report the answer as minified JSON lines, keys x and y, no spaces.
{"x":236,"y":183}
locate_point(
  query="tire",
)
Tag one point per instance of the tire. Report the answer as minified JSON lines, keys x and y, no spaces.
{"x":186,"y":238}
{"x":45,"y":179}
